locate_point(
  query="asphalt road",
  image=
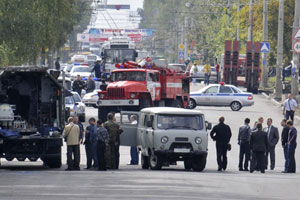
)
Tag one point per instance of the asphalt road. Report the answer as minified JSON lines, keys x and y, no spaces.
{"x":25,"y":180}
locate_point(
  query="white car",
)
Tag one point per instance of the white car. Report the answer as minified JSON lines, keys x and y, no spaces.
{"x":67,"y":70}
{"x":90,"y":99}
{"x":82,"y":70}
{"x":71,"y":105}
{"x":221,"y":95}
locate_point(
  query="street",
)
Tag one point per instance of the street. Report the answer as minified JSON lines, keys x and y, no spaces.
{"x":26,"y":180}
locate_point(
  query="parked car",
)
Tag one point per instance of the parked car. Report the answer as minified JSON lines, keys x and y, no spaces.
{"x":90,"y":99}
{"x":82,"y":70}
{"x":166,"y":135}
{"x":221,"y":95}
{"x":80,"y":105}
{"x":200,"y":74}
{"x":67,"y":70}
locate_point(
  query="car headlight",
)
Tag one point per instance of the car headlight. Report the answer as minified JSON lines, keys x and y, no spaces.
{"x":101,"y":96}
{"x":132,"y":95}
{"x":198,"y":140}
{"x":164,"y":139}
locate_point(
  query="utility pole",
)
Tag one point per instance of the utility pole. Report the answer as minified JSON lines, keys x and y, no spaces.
{"x":295,"y":70}
{"x":250,"y":21}
{"x":264,"y":82}
{"x":278,"y":90}
{"x":238,"y":21}
{"x":185,"y":38}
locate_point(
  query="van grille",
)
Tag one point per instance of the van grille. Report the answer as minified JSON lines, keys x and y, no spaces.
{"x":181,"y":139}
{"x":116,"y":92}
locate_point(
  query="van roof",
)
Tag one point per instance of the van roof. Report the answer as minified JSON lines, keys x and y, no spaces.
{"x":171,"y":110}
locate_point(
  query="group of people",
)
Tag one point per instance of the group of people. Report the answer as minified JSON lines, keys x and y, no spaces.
{"x":101,"y":140}
{"x":79,"y":85}
{"x":207,"y":73}
{"x":257,"y":144}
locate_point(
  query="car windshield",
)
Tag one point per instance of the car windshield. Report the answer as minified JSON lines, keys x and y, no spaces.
{"x":194,"y":122}
{"x":68,"y":68}
{"x":69,"y":100}
{"x":236,"y":90}
{"x":118,"y":55}
{"x":130,"y":76}
{"x":81,"y":69}
{"x":76,"y":98}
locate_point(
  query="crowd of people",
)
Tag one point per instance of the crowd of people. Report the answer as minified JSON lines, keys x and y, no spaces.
{"x":101,"y":140}
{"x":257,"y":145}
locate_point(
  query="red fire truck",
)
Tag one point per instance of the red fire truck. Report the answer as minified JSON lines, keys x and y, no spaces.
{"x":139,"y":85}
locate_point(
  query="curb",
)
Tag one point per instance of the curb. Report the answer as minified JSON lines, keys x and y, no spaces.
{"x":277,"y":103}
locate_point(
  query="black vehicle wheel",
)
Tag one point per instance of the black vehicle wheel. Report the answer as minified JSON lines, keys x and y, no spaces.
{"x":102,"y":113}
{"x":145,"y":162}
{"x":192,"y":104}
{"x":235,"y":106}
{"x":199,"y":163}
{"x":52,"y":162}
{"x":187,"y":165}
{"x":155,"y":162}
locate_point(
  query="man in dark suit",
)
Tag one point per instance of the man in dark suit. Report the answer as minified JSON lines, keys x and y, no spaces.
{"x":292,"y":144}
{"x":273,"y":137}
{"x":284,"y":142}
{"x":221,"y":133}
{"x":258,"y":145}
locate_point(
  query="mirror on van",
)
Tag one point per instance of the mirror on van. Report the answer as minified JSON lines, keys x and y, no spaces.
{"x":208,"y":125}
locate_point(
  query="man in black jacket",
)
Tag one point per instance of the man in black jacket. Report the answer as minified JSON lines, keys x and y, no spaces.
{"x":78,"y":85}
{"x":258,"y":145}
{"x":221,"y":133}
{"x":284,"y":141}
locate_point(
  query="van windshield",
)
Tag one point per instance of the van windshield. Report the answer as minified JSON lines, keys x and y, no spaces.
{"x":194,"y":122}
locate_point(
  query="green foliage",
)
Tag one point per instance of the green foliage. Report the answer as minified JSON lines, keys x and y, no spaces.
{"x":209,"y":27}
{"x":29,"y":27}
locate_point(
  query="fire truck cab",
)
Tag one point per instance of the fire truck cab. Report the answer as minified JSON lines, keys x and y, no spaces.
{"x":135,"y":88}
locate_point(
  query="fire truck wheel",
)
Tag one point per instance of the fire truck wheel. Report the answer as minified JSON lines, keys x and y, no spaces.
{"x":235,"y":106}
{"x":192,"y":104}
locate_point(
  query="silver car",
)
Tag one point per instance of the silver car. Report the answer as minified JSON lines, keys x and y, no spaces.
{"x":221,"y":95}
{"x":199,"y":75}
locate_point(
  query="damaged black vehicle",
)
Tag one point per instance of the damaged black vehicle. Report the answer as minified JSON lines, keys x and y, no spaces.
{"x":32,"y":115}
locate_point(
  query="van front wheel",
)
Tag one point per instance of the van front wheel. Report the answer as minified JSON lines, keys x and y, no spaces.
{"x":155,"y":162}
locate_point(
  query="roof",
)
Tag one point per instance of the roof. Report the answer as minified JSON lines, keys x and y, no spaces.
{"x":171,"y":110}
{"x":135,"y":70}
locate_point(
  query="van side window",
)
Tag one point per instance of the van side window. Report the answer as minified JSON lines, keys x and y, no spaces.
{"x":145,"y":120}
{"x":130,"y":119}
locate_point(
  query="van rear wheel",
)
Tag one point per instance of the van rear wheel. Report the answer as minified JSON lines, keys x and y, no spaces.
{"x":155,"y":162}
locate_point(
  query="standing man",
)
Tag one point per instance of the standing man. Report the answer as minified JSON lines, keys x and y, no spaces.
{"x":207,"y":72}
{"x":90,"y":85}
{"x":113,"y":130}
{"x":273,"y":137}
{"x":76,"y":121}
{"x":88,"y":146}
{"x":284,"y":141}
{"x":71,"y":135}
{"x":94,"y":142}
{"x":292,"y":144}
{"x":259,"y":121}
{"x":258,"y":145}
{"x":244,"y":142}
{"x":221,"y":133}
{"x":289,"y":107}
{"x":218,"y":72}
{"x":133,"y":150}
{"x":103,"y":141}
{"x":57,"y":65}
{"x":97,"y":69}
{"x":78,"y":85}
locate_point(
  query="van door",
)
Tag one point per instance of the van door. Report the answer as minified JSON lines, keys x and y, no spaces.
{"x":148,"y":131}
{"x":129,"y":124}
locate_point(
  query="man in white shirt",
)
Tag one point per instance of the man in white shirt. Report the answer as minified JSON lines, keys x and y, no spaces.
{"x":289,"y":107}
{"x":133,"y":150}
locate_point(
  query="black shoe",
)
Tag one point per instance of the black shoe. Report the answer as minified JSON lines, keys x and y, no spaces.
{"x":251,"y":171}
{"x":87,"y":168}
{"x":77,"y":169}
{"x":272,"y":168}
{"x":224,"y":168}
{"x":263,"y":171}
{"x":246,"y":170}
{"x":240,"y":169}
{"x":219,"y":169}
